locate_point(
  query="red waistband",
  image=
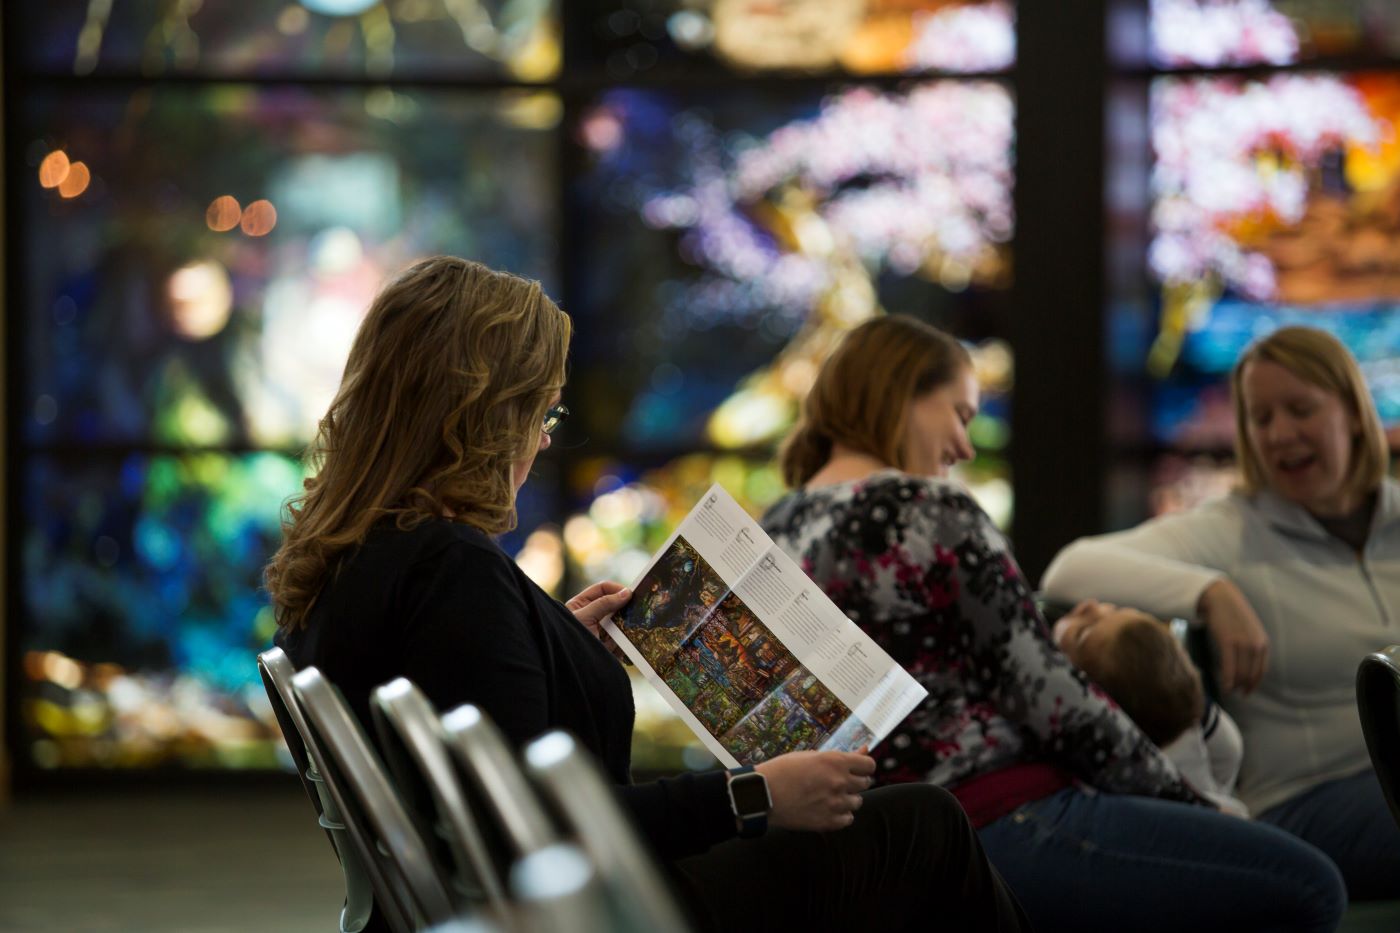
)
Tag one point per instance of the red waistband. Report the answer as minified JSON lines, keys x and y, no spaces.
{"x":988,"y":797}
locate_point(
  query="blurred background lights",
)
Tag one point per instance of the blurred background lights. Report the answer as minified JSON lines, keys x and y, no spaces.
{"x":690,"y":30}
{"x":75,"y":182}
{"x":53,"y":169}
{"x":223,"y":213}
{"x":339,"y":7}
{"x":335,"y":251}
{"x":259,"y":218}
{"x":542,"y":558}
{"x":293,"y":20}
{"x":45,"y":409}
{"x":201,"y":298}
{"x":600,"y":130}
{"x":53,"y":667}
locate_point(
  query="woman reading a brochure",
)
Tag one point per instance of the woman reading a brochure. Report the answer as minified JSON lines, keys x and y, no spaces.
{"x":388,"y":569}
{"x":1090,"y":824}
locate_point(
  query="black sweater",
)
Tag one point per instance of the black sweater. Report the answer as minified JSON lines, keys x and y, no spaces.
{"x":445,"y":607}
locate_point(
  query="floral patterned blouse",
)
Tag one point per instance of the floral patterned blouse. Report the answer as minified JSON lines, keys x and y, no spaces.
{"x":921,"y":568}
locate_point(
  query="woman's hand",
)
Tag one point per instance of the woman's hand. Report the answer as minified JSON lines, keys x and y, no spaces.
{"x":594,"y":605}
{"x":1240,"y":640}
{"x":816,"y":791}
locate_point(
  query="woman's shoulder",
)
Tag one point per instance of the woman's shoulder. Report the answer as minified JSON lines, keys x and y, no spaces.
{"x":886,"y":497}
{"x":1227,"y":510}
{"x":430,"y":541}
{"x":898,"y":494}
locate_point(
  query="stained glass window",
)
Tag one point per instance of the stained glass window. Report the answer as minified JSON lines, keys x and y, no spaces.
{"x":641,"y":37}
{"x":209,"y":198}
{"x":316,"y":38}
{"x":737,"y":238}
{"x":203,"y":288}
{"x":197,"y":258}
{"x":1187,"y":33}
{"x":1272,"y":199}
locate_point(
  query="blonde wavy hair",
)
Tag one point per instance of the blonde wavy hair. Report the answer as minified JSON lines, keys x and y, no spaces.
{"x":444,"y":394}
{"x":1318,"y":358}
{"x":862,"y":393}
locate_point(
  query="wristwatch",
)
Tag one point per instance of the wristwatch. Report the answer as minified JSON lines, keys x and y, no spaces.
{"x":750,"y":801}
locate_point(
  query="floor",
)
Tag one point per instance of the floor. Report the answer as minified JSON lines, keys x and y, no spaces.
{"x":162,"y":860}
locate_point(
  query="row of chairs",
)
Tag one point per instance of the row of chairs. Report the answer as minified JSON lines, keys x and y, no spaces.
{"x":457,"y":833}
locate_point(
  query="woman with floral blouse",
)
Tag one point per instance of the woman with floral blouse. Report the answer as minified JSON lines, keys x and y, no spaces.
{"x":1092,"y":827}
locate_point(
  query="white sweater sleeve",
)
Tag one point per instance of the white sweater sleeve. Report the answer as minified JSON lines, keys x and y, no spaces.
{"x":1161,"y":566}
{"x":1224,"y":747}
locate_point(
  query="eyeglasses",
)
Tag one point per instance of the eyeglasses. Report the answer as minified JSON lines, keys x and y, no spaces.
{"x":555,"y":417}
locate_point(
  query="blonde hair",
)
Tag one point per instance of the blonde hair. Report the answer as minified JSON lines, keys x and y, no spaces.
{"x":862,"y":391}
{"x":1317,"y":358}
{"x":444,"y":393}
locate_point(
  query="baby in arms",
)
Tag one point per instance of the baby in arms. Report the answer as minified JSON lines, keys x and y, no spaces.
{"x":1140,"y":663}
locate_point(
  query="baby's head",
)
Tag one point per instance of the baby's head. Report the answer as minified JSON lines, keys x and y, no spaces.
{"x":1138,"y":662}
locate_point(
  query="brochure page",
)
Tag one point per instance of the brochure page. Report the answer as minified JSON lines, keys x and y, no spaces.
{"x":750,"y":653}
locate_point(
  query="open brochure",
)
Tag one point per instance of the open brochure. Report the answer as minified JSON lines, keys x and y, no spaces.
{"x":749,"y":651}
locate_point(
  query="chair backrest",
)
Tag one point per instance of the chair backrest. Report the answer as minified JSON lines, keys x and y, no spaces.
{"x":585,"y":800}
{"x":361,"y":876}
{"x":371,"y":810}
{"x":513,"y":820}
{"x":276,"y":670}
{"x":1378,"y":702}
{"x":558,"y":888}
{"x":415,"y":748}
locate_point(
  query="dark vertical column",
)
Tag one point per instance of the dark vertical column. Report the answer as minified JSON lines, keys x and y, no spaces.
{"x":10,"y":166}
{"x":1058,"y":410}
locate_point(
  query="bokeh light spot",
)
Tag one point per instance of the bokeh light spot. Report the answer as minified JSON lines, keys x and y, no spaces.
{"x":54,"y":169}
{"x":293,"y":20}
{"x":259,"y":218}
{"x":76,"y":181}
{"x":201,"y":298}
{"x":339,"y":7}
{"x":223,"y":213}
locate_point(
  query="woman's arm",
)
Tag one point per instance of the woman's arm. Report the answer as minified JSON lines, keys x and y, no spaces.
{"x":1162,"y":566}
{"x":468,"y":639}
{"x":1224,"y":747}
{"x":1010,"y":656}
{"x":1175,"y":566}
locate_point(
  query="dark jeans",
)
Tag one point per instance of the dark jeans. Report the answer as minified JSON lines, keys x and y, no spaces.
{"x":1349,"y":820}
{"x":910,"y":861}
{"x":1086,"y":862}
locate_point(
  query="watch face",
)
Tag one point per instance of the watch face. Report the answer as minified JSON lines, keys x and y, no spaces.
{"x":750,"y":794}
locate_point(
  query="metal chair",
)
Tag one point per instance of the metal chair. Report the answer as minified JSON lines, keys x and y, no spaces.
{"x":414,"y":894}
{"x":276,"y":670}
{"x":512,"y":818}
{"x":590,"y":811}
{"x":1378,"y":702}
{"x":415,"y":748}
{"x":557,"y":888}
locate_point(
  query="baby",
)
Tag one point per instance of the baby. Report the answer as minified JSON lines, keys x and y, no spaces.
{"x":1138,"y":661}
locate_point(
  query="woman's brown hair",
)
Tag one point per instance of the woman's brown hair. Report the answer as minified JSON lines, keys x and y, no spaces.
{"x":862,"y":391}
{"x":444,"y":393}
{"x":1317,"y":358}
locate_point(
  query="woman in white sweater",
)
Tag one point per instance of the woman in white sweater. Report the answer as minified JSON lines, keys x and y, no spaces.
{"x":1296,"y":575}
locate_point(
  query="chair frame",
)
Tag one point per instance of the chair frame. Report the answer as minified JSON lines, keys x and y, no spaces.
{"x":559,"y":888}
{"x":582,"y":796}
{"x":372,"y":810}
{"x":1378,"y":703}
{"x":486,"y":760}
{"x":415,"y":747}
{"x":362,"y":876}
